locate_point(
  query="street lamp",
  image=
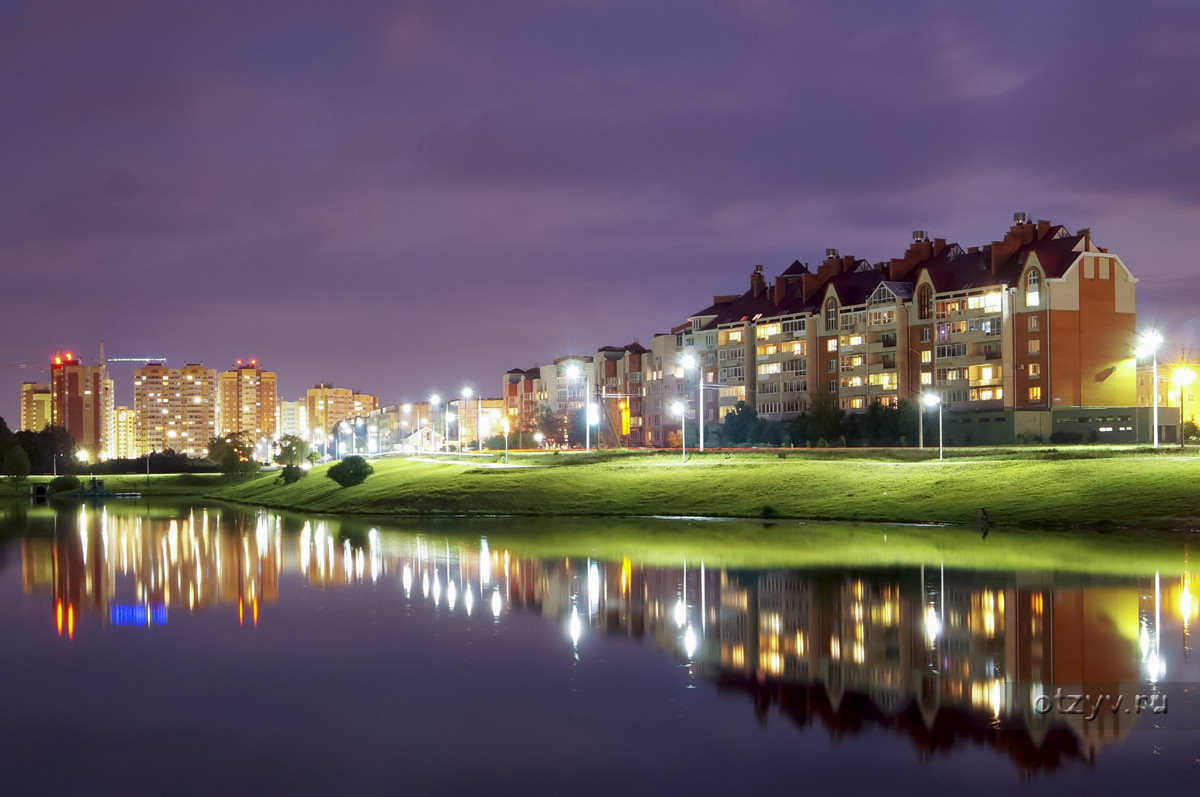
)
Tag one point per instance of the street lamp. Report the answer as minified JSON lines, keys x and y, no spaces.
{"x":434,"y":400}
{"x":574,"y":371}
{"x":506,"y":429}
{"x":1149,"y":344}
{"x":689,"y":361}
{"x":466,"y":395}
{"x":930,"y":400}
{"x":680,"y":409}
{"x":538,"y":437}
{"x":1184,"y":377}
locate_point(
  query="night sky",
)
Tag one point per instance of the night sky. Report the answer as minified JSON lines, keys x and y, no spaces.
{"x":405,"y":197}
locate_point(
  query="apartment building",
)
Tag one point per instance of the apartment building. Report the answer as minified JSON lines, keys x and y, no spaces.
{"x":246,"y":401}
{"x":125,"y":434}
{"x":82,"y":403}
{"x":618,"y":395}
{"x":1042,"y":319}
{"x":36,"y":399}
{"x":175,"y":409}
{"x":326,"y":405}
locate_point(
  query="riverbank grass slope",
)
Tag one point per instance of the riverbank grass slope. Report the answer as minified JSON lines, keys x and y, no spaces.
{"x":1131,"y":491}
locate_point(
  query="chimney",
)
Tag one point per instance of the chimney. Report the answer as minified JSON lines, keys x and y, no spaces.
{"x":1043,"y":228}
{"x":758,"y":283}
{"x":1086,"y":235}
{"x":920,"y":249}
{"x":939,"y":246}
{"x":1018,"y":235}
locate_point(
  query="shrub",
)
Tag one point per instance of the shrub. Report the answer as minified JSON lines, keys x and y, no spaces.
{"x":62,"y":484}
{"x":294,"y":473}
{"x":350,"y":471}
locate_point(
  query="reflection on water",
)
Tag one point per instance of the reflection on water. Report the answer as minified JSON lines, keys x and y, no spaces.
{"x":944,"y":658}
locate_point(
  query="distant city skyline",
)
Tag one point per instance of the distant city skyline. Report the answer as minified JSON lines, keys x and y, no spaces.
{"x":405,"y":199}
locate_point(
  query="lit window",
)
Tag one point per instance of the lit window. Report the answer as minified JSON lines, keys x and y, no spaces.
{"x":1035,"y":370}
{"x":1035,"y":346}
{"x":1035,"y":394}
{"x":927,"y":356}
{"x":831,"y":345}
{"x":1033,"y":323}
{"x":926,"y":377}
{"x":1033,"y":284}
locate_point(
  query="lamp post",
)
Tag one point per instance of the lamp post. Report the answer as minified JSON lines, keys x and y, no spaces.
{"x":1184,"y":377}
{"x":462,"y":413}
{"x":680,"y":409}
{"x":574,"y":371}
{"x":506,"y":429}
{"x":434,"y":400}
{"x":1149,"y":345}
{"x":930,"y":400}
{"x":689,"y":361}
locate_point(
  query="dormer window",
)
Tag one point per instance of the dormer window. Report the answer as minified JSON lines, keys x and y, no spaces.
{"x":831,"y":315}
{"x":925,"y":301}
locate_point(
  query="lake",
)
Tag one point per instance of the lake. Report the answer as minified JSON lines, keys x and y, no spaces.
{"x":197,"y":649}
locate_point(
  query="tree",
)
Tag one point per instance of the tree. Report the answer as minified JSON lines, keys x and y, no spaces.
{"x":293,"y":450}
{"x":739,"y":423}
{"x":16,"y":465}
{"x":350,"y":471}
{"x":825,"y":417}
{"x":234,"y":453}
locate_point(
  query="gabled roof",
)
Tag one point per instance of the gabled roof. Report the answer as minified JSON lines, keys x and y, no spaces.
{"x":746,"y":307}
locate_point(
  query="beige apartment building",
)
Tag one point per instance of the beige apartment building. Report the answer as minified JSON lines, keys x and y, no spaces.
{"x":174,"y":408}
{"x":326,"y":405}
{"x":125,"y":434}
{"x":246,"y":401}
{"x":36,"y":399}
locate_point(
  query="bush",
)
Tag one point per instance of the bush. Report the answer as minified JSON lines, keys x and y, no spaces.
{"x":294,"y":473}
{"x":62,"y":484}
{"x":350,"y":471}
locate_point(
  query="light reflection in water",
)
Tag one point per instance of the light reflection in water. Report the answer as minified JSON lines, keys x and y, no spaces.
{"x":966,"y":648}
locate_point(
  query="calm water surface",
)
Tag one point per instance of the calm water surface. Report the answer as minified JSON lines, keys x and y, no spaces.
{"x":211,"y":650}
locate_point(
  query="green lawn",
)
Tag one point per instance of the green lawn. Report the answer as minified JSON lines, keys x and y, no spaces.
{"x":165,"y":484}
{"x":1120,"y":489}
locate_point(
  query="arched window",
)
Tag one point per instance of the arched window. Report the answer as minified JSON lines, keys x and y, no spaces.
{"x":831,"y":311}
{"x":925,"y":301}
{"x":1033,"y":285}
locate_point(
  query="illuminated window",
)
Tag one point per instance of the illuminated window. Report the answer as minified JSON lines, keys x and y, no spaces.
{"x":1035,"y":393}
{"x":1033,"y":284}
{"x":927,"y":356}
{"x":1033,"y":323}
{"x":1035,"y":370}
{"x":1035,"y":346}
{"x":926,"y":378}
{"x":831,"y":344}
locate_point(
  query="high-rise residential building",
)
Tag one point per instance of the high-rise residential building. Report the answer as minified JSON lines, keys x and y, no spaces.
{"x":246,"y":401}
{"x":293,"y":419}
{"x":82,"y":403}
{"x":326,"y":405}
{"x":175,"y":408}
{"x":35,"y":406}
{"x":125,"y":434}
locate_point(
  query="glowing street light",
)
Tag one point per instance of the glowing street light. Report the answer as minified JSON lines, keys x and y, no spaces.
{"x":574,"y":371}
{"x":1148,"y":345}
{"x":680,"y":409}
{"x":538,"y":437}
{"x":506,"y":430}
{"x":1183,"y":377}
{"x":466,"y":395}
{"x":434,"y":400}
{"x":931,"y":400}
{"x":689,"y":361}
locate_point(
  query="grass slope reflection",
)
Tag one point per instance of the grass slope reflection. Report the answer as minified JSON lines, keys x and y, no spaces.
{"x":945,"y":657}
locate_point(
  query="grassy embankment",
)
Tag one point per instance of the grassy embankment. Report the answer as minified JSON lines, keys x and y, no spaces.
{"x":1124,"y":489}
{"x":179,"y":485}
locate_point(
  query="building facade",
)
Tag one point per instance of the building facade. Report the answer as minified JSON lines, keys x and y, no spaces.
{"x":36,"y":400}
{"x":175,"y":409}
{"x":125,"y":434}
{"x":246,"y":401}
{"x":82,"y":403}
{"x":326,"y":405}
